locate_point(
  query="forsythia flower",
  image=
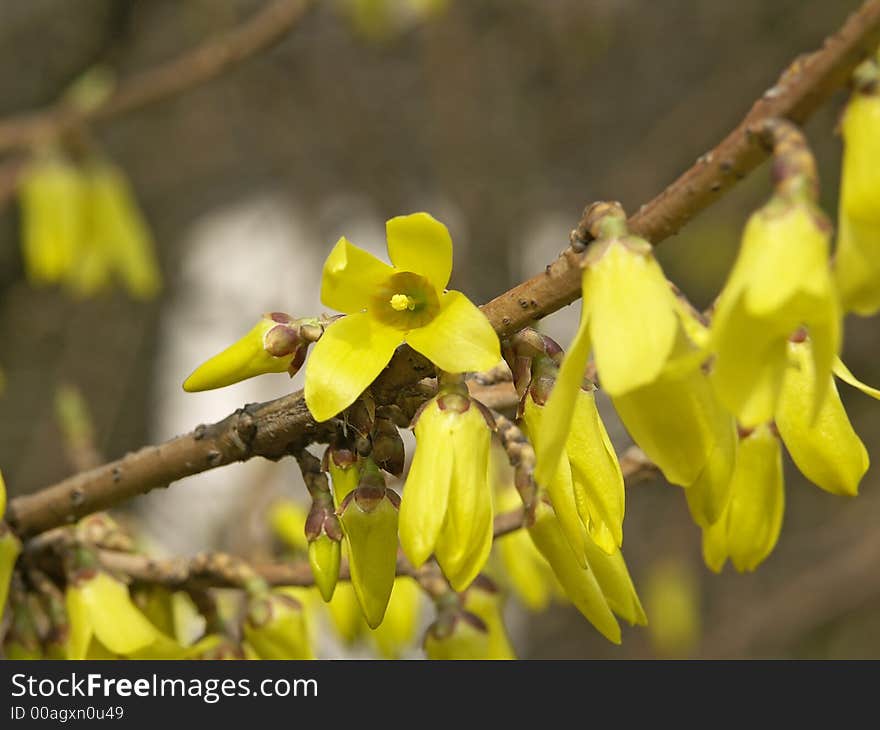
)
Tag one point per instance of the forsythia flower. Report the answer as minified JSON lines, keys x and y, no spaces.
{"x":276,"y":627}
{"x":447,"y":500}
{"x":628,"y":318}
{"x":857,"y":260}
{"x":781,"y":281}
{"x":749,"y":527}
{"x":601,"y":587}
{"x":587,"y":488}
{"x":345,"y":612}
{"x":100,"y":610}
{"x":826,"y":448}
{"x":276,"y":344}
{"x":387,"y":306}
{"x":369,"y":521}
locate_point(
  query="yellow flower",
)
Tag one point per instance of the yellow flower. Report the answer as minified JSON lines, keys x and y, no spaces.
{"x":276,"y":627}
{"x":51,"y":193}
{"x":826,"y":449}
{"x":341,"y":464}
{"x":781,"y":281}
{"x":325,"y":554}
{"x":601,"y":587}
{"x":629,"y":318}
{"x":100,"y":610}
{"x":276,"y":344}
{"x":2,"y":496}
{"x":397,"y":631}
{"x":387,"y":306}
{"x":447,"y":500}
{"x":345,"y":613}
{"x":587,"y":489}
{"x":369,"y":521}
{"x":287,"y":520}
{"x":857,"y":260}
{"x":749,"y":527}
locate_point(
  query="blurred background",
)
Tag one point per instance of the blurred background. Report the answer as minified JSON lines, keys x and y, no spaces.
{"x":501,"y":117}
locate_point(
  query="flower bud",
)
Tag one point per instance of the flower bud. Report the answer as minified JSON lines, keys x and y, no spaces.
{"x":857,"y":260}
{"x":826,"y":449}
{"x":287,"y":519}
{"x":324,"y":558}
{"x":117,"y":229}
{"x":275,"y":627}
{"x":10,"y":548}
{"x":52,"y":214}
{"x":274,"y":345}
{"x":749,"y":527}
{"x":447,"y":500}
{"x":369,"y":520}
{"x":345,"y":613}
{"x":341,"y":464}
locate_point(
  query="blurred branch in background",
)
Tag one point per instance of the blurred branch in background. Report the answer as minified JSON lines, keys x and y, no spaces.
{"x":284,"y":426}
{"x":196,"y":67}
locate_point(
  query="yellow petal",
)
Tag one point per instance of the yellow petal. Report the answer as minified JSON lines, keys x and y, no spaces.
{"x":244,"y":359}
{"x":466,"y":536}
{"x":350,"y":277}
{"x":843,"y":372}
{"x":525,"y":569}
{"x":277,"y":629}
{"x":860,"y":178}
{"x":426,"y":493}
{"x":596,"y":476}
{"x":559,"y":409}
{"x":580,"y":584}
{"x":715,"y":549}
{"x":372,"y":552}
{"x":10,"y":547}
{"x":348,"y":357}
{"x":459,"y":339}
{"x":421,"y":244}
{"x":757,"y":500}
{"x":560,"y":487}
{"x":345,"y":613}
{"x":616,"y":584}
{"x":118,"y":228}
{"x":114,"y":619}
{"x":397,"y":631}
{"x":827,"y":450}
{"x":677,"y":421}
{"x":633,"y":322}
{"x":750,"y":365}
{"x":2,"y":494}
{"x":709,"y":495}
{"x":857,"y":264}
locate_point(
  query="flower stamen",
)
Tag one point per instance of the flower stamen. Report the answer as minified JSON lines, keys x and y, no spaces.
{"x":401,"y":302}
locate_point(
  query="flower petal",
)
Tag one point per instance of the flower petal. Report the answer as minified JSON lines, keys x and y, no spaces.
{"x":844,"y":373}
{"x":348,"y":357}
{"x":616,"y":584}
{"x":426,"y":494}
{"x":559,"y":410}
{"x":459,"y":339}
{"x":350,"y":277}
{"x":826,"y":449}
{"x":633,"y":318}
{"x":421,"y":244}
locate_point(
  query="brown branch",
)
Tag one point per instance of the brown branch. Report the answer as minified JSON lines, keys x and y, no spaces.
{"x":206,"y":62}
{"x":279,"y":427}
